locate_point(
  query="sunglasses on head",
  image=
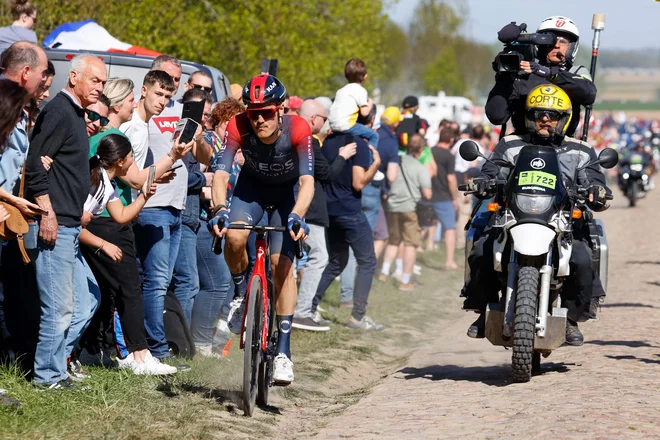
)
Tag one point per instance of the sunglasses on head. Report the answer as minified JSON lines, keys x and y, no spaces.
{"x":93,"y":116}
{"x":266,"y":113}
{"x":551,"y":114}
{"x":205,"y":89}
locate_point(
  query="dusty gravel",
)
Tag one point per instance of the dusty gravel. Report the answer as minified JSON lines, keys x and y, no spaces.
{"x":457,"y":387}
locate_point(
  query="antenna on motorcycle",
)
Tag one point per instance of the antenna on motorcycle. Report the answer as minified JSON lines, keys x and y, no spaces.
{"x":598,"y":25}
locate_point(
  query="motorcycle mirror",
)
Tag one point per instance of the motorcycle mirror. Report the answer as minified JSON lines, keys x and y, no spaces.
{"x":608,"y":158}
{"x":469,"y":151}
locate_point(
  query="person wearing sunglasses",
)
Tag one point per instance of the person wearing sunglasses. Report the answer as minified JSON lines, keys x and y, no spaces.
{"x":96,"y":116}
{"x":548,"y":113}
{"x":278,"y":155}
{"x":199,"y":80}
{"x":555,"y":64}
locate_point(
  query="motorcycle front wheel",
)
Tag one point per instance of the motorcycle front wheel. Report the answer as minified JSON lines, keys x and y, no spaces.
{"x":524,"y":324}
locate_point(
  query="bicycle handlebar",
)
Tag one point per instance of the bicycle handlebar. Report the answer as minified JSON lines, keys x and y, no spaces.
{"x":217,"y":241}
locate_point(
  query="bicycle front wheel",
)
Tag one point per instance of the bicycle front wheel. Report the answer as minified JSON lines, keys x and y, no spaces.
{"x":266,"y":365}
{"x":252,"y":345}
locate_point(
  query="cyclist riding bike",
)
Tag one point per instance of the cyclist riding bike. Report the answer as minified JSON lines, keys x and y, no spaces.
{"x":278,"y":154}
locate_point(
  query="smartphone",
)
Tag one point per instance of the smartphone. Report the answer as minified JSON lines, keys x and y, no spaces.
{"x":175,"y":168}
{"x":185,"y":130}
{"x":193,"y":110}
{"x":152,"y":176}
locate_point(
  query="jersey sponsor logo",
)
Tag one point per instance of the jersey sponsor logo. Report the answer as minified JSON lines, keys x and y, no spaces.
{"x":166,"y":124}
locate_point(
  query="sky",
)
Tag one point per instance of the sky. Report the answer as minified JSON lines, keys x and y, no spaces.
{"x":629,"y":24}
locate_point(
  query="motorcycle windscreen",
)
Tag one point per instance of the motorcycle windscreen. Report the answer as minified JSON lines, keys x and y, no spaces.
{"x":536,"y":182}
{"x":537,"y":172}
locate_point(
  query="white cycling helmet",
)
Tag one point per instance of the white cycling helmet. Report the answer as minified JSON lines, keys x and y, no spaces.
{"x":557,"y":23}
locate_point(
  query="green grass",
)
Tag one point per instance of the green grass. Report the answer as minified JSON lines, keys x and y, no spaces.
{"x":205,"y":403}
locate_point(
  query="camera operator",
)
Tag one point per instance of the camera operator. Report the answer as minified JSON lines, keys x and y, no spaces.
{"x":555,"y":65}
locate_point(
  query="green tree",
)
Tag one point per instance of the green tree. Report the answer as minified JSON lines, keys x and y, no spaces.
{"x":312,"y":40}
{"x":443,"y":74}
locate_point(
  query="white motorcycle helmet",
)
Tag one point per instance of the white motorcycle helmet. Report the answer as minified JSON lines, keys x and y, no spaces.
{"x":557,"y":23}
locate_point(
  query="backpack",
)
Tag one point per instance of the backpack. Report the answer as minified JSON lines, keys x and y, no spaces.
{"x":177,"y":332}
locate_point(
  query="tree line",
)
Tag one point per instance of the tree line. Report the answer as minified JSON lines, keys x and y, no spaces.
{"x":311,"y":39}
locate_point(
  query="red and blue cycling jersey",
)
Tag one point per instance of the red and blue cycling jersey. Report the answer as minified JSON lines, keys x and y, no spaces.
{"x":284,"y":161}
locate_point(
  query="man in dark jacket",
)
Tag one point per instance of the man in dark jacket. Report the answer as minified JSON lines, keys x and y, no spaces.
{"x":61,"y":134}
{"x":556,"y":65}
{"x":317,"y":219}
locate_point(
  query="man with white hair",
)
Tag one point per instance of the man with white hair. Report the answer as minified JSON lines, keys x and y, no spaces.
{"x":317,"y":219}
{"x":60,"y":133}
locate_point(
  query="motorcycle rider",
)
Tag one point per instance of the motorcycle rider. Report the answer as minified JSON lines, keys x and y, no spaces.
{"x":555,"y":65}
{"x":637,"y":155}
{"x":548,"y":112}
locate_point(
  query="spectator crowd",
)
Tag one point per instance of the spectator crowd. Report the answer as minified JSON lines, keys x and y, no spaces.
{"x":111,"y":263}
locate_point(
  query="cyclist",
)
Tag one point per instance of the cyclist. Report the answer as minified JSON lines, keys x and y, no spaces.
{"x":278,"y":154}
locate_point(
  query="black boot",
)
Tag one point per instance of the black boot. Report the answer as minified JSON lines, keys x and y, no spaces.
{"x":573,"y":334}
{"x":478,"y":328}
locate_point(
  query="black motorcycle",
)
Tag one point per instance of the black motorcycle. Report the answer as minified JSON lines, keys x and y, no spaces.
{"x":534,"y":211}
{"x":633,"y":179}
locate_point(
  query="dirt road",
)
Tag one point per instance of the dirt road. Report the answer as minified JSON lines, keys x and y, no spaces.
{"x":457,"y":387}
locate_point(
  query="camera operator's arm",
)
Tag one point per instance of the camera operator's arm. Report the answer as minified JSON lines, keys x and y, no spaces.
{"x":579,"y":85}
{"x":497,"y":106}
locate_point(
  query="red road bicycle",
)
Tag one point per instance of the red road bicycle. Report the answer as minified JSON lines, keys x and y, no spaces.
{"x":259,"y":335}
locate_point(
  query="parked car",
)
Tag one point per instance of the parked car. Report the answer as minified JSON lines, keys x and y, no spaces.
{"x":134,"y":67}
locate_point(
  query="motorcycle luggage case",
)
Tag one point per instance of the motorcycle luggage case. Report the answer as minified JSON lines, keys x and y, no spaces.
{"x":600,"y":250}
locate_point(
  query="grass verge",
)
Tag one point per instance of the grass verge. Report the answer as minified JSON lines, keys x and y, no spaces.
{"x":333,"y":370}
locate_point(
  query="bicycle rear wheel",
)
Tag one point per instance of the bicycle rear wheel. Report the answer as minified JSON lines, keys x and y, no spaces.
{"x":252,"y":345}
{"x":266,"y":365}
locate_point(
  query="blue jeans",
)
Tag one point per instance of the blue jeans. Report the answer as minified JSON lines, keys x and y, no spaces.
{"x":370,"y":206}
{"x":64,"y":296}
{"x":355,"y":233}
{"x":214,"y":280}
{"x":185,"y":279}
{"x":157,"y":239}
{"x":364,"y":132}
{"x":86,"y":305}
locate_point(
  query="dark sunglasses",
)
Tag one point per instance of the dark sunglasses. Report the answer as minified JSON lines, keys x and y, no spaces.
{"x":551,"y":114}
{"x":266,"y":113}
{"x":93,"y":116}
{"x":205,"y":89}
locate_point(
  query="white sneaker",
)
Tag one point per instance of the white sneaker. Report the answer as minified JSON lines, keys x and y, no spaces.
{"x":282,"y":370}
{"x":152,"y":367}
{"x":235,"y":315}
{"x":126,"y":363}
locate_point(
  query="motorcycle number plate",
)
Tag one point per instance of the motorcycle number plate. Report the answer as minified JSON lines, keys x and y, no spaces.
{"x":636,"y":167}
{"x":538,"y":178}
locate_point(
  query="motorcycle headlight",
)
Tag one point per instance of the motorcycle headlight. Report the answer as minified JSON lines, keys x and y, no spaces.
{"x":533,"y":204}
{"x":626,"y":176}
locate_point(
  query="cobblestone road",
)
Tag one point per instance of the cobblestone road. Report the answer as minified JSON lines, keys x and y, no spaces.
{"x":457,"y":387}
